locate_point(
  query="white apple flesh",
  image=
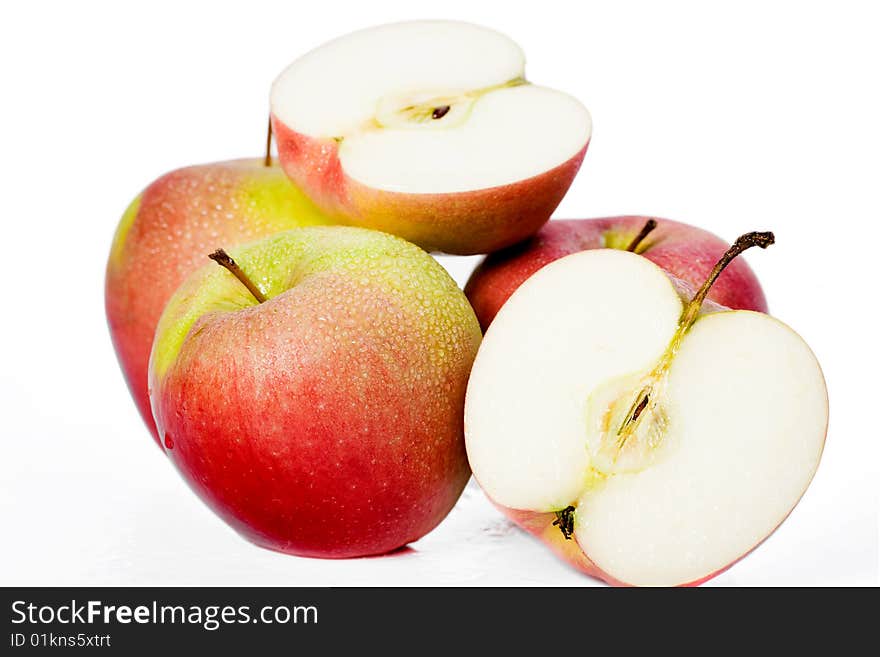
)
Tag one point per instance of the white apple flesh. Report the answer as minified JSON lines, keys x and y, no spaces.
{"x":666,"y":446}
{"x":429,"y":130}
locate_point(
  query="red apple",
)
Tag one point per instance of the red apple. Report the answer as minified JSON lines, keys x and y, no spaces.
{"x":430,"y":131}
{"x":325,"y":421}
{"x":685,"y":252}
{"x":164,"y":236}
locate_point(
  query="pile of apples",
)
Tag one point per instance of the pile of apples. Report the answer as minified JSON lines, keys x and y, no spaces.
{"x":615,"y":385}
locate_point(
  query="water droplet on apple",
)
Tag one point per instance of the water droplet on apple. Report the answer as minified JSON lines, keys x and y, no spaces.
{"x":169,"y":441}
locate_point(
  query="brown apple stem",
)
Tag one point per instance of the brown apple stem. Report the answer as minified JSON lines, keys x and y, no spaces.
{"x":565,"y":521}
{"x":650,"y":225}
{"x":224,"y":260}
{"x":267,"y":162}
{"x":742,"y":243}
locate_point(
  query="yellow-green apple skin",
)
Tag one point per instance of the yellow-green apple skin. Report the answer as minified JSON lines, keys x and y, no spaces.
{"x":167,"y":232}
{"x":328,"y":420}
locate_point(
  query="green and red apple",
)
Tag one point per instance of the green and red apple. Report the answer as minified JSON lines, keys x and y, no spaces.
{"x":318,"y":408}
{"x":428,"y":130}
{"x":647,"y":436}
{"x":164,"y":236}
{"x":685,"y":252}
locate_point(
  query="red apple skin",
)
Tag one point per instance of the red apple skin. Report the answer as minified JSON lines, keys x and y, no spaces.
{"x":462,"y":223}
{"x":167,"y":233}
{"x":685,"y":252}
{"x":328,"y":421}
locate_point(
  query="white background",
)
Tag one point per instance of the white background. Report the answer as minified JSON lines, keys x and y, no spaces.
{"x":760,"y":115}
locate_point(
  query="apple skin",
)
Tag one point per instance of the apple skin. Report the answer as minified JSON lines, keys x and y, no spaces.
{"x":327,"y":421}
{"x":167,"y":232}
{"x":685,"y":252}
{"x":464,"y":223}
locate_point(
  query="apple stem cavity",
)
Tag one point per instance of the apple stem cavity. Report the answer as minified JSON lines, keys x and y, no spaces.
{"x":225,"y":260}
{"x":650,"y":225}
{"x":267,"y":161}
{"x":565,"y":521}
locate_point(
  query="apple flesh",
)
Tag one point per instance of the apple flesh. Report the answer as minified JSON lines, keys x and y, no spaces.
{"x":685,"y":252}
{"x":647,"y":440}
{"x":164,"y":236}
{"x":326,"y":421}
{"x":428,"y":130}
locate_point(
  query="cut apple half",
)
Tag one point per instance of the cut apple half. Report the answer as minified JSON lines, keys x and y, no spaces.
{"x":401,"y":127}
{"x":665,"y":441}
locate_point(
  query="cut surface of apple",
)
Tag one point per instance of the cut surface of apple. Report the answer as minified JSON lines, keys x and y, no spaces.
{"x":427,"y":108}
{"x":669,"y":452}
{"x":488,"y":138}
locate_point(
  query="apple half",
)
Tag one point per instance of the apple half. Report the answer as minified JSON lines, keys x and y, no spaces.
{"x":647,"y":439}
{"x":428,"y":130}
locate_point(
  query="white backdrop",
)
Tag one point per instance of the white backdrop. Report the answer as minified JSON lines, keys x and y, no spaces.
{"x":760,"y":115}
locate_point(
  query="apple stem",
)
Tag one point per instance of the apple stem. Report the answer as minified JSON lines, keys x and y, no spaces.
{"x":565,"y":521}
{"x":743,"y":242}
{"x":650,"y":225}
{"x":224,"y":260}
{"x":267,"y":161}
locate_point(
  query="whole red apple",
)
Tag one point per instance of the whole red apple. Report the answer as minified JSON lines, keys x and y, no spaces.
{"x":164,"y":236}
{"x":685,"y":252}
{"x":321,"y":413}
